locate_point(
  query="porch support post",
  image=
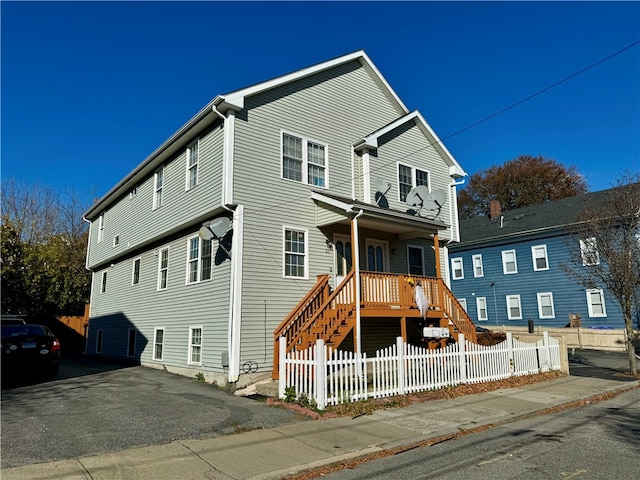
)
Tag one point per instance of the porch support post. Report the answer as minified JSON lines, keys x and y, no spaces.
{"x":436,"y":249}
{"x":355,"y":242}
{"x":403,"y":329}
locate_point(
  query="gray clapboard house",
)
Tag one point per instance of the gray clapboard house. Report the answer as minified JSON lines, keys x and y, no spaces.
{"x":240,"y":229}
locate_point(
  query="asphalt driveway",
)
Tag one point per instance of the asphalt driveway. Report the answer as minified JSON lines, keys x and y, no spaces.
{"x":96,"y":406}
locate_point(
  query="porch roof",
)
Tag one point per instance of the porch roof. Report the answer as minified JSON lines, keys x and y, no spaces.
{"x":405,"y":225}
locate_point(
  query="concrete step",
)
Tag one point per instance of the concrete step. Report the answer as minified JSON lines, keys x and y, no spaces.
{"x":267,"y":389}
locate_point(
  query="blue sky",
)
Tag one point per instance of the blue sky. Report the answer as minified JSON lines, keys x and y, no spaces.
{"x":90,"y":89}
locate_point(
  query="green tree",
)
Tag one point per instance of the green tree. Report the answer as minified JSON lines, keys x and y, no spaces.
{"x":611,"y":231}
{"x":523,"y":181}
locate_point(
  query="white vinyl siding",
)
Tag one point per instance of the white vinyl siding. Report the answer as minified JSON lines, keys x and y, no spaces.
{"x":199,"y":257}
{"x":481,"y":308}
{"x":545,"y":305}
{"x":509,"y":264}
{"x":158,"y":343}
{"x":163,"y":268}
{"x":589,"y":252}
{"x":195,"y":346}
{"x":514,"y":308}
{"x":539,"y":256}
{"x":409,"y":177}
{"x":595,"y":302}
{"x":158,"y":185}
{"x":457,"y":271}
{"x":304,"y":161}
{"x":192,"y":166}
{"x":478,"y":270}
{"x":295,"y":253}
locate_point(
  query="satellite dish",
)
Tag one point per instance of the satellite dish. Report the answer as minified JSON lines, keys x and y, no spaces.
{"x":216,"y":228}
{"x":422,"y":198}
{"x":382,"y":187}
{"x":417,"y":196}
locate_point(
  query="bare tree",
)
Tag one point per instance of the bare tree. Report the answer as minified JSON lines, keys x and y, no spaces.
{"x":609,"y":257}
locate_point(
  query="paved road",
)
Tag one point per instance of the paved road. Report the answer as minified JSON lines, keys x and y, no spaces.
{"x":94,"y":406}
{"x":597,"y":441}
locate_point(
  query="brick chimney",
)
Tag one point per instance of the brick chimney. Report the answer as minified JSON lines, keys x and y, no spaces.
{"x":494,"y":209}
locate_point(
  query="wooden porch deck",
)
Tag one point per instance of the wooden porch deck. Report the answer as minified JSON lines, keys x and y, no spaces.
{"x":331,"y":315}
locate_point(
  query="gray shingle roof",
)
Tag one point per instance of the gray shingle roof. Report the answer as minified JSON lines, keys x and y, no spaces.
{"x":535,"y":219}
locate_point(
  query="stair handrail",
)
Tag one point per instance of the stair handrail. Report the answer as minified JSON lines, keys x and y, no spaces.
{"x":458,"y":316}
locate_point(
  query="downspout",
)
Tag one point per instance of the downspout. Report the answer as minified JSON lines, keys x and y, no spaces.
{"x":235,"y":282}
{"x":353,"y":172}
{"x":86,"y":266}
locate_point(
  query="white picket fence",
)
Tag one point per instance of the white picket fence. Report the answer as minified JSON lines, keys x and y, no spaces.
{"x":331,"y":377}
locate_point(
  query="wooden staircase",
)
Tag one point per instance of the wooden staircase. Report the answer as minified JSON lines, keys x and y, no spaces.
{"x":331,"y":315}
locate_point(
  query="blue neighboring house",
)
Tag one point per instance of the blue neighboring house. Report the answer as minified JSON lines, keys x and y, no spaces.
{"x":506,"y":268}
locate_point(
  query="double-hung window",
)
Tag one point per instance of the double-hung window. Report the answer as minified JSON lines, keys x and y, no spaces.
{"x":192,"y":166}
{"x":589,"y":252}
{"x":158,"y":183}
{"x":163,"y":268}
{"x":415,"y":256}
{"x":199,"y":260}
{"x":195,"y":346}
{"x":545,"y":305}
{"x":103,"y":283}
{"x":409,"y":177}
{"x":478,"y":270}
{"x":304,"y":161}
{"x":295,"y":253}
{"x":158,"y":343}
{"x":509,"y":265}
{"x":595,"y":302}
{"x":135,"y":275}
{"x":481,"y":308}
{"x":539,"y":255}
{"x":456,"y":268}
{"x":514,"y":310}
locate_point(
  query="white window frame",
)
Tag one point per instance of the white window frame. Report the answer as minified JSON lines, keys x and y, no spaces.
{"x":163,"y":272}
{"x":453,"y":268}
{"x":156,"y":344}
{"x":99,"y":340}
{"x":481,"y":302}
{"x":548,"y":295}
{"x":286,"y":253}
{"x":478,"y":269}
{"x":306,"y":163}
{"x":135,"y":337}
{"x":191,"y":346}
{"x":103,"y":282}
{"x":158,"y":187}
{"x":463,"y":303}
{"x":101,"y":227}
{"x":542,"y":248}
{"x":509,"y":315}
{"x":590,"y":304}
{"x":198,"y":261}
{"x":422,"y":266}
{"x":116,"y":241}
{"x":191,"y":179}
{"x":589,"y":250}
{"x":136,"y":280}
{"x":402,"y":196}
{"x":505,"y":262}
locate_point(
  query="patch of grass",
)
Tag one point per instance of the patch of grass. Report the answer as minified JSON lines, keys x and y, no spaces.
{"x":199,"y":377}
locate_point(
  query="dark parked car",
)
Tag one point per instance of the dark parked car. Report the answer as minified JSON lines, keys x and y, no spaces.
{"x":10,"y":320}
{"x":29,"y":349}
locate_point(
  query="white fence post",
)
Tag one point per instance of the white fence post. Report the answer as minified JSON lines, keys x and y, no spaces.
{"x":463,"y":359}
{"x":545,"y":354}
{"x":402,"y":371}
{"x":282,"y":369}
{"x":512,"y":366}
{"x":320,"y":371}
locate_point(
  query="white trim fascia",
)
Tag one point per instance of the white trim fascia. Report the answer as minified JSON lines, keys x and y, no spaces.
{"x":236,"y":99}
{"x":332,"y":201}
{"x":366,"y":176}
{"x":235,"y":294}
{"x":228,"y":158}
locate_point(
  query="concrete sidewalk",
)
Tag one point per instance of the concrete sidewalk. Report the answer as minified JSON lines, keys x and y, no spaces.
{"x":278,"y":452}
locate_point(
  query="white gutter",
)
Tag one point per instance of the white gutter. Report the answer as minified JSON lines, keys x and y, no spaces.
{"x":235,"y":293}
{"x":356,"y":263}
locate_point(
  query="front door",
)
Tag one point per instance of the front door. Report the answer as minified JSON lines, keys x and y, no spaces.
{"x":377,"y":255}
{"x":343,"y":254}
